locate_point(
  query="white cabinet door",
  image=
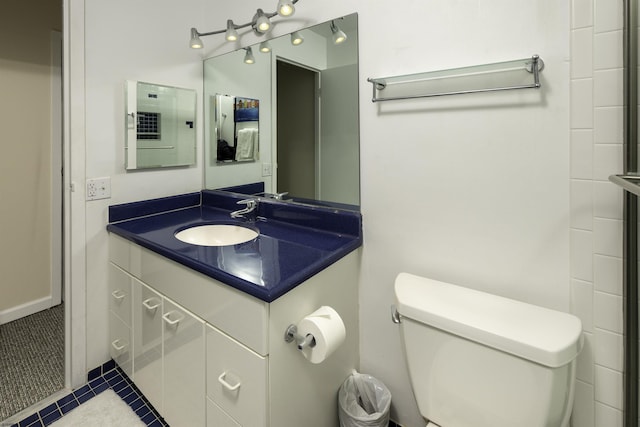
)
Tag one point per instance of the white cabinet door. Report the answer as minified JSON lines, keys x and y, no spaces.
{"x":120,"y":294}
{"x":147,"y":351}
{"x":120,"y":343}
{"x":216,"y":417}
{"x":236,"y":379}
{"x":184,"y":365}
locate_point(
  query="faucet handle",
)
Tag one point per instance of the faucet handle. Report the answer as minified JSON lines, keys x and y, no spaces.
{"x":279,"y":196}
{"x":251,"y":203}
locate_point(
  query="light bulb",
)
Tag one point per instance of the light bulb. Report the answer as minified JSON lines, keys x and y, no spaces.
{"x":286,"y":8}
{"x":265,"y":47}
{"x":262,"y":22}
{"x":248,"y":57}
{"x":231,"y":33}
{"x":195,"y":42}
{"x":296,"y":38}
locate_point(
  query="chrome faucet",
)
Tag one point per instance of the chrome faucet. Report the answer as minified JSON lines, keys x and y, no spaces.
{"x":249,"y":212}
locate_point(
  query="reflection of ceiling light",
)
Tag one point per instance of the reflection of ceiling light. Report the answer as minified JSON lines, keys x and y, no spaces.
{"x":231,"y":34}
{"x":265,"y":47}
{"x":261,"y":23}
{"x":296,"y":38}
{"x":195,"y":42}
{"x":286,"y":8}
{"x":338,"y":35}
{"x":248,"y":57}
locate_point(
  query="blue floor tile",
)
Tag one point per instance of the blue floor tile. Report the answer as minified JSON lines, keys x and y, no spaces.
{"x":100,"y":379}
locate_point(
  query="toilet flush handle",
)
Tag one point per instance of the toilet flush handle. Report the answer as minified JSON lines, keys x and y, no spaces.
{"x":395,"y":316}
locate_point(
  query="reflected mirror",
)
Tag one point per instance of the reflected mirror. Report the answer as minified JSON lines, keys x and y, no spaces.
{"x":235,"y":128}
{"x":308,"y":123}
{"x":160,"y":126}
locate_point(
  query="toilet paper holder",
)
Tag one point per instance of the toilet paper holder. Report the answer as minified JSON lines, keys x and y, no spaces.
{"x":291,"y":334}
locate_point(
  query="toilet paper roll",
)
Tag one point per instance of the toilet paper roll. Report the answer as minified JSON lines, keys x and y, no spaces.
{"x":329,"y":332}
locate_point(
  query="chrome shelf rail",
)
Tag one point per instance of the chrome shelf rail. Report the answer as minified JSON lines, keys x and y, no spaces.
{"x":631,"y":183}
{"x":517,"y":74}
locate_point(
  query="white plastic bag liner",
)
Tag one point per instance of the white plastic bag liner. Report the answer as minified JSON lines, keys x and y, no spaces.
{"x":363,"y":401}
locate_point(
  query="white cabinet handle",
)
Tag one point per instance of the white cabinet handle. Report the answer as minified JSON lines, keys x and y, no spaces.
{"x":117,"y":346}
{"x":118,"y":294}
{"x":221,"y":380}
{"x":151,"y":303}
{"x":172,"y":322}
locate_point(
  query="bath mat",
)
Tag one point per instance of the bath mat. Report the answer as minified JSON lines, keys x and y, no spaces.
{"x":105,"y":410}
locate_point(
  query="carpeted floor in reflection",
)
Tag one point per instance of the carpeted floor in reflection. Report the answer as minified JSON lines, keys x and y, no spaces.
{"x":31,"y":360}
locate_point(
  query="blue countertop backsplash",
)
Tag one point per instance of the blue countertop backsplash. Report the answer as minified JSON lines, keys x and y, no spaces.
{"x":295,"y":242}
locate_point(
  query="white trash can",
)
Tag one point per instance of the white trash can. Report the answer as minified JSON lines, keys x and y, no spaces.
{"x":363,"y":401}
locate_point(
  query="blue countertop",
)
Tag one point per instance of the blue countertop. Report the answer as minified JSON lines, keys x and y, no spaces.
{"x":295,"y":242}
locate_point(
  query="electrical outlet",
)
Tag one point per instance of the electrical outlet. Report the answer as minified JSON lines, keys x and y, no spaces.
{"x":266,"y":169}
{"x":98,"y":188}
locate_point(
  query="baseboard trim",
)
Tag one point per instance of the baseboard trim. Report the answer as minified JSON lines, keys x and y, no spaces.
{"x":26,"y":309}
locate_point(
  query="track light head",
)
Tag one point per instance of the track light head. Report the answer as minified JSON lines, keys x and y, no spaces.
{"x":231,"y":34}
{"x":262,"y":22}
{"x":296,"y":38}
{"x":286,"y":8}
{"x":195,"y":42}
{"x":265,"y":47}
{"x":338,"y":35}
{"x":248,"y":57}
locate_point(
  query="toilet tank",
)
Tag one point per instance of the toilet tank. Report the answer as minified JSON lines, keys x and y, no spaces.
{"x":481,"y":360}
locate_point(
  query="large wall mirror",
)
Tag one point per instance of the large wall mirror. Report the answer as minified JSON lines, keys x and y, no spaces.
{"x":307,"y":131}
{"x":160,"y":126}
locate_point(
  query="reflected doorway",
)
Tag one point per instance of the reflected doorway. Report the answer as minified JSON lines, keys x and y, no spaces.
{"x":297,"y":112}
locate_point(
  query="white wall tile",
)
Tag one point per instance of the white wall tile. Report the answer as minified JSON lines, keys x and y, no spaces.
{"x":584,"y":367}
{"x":607,"y":161}
{"x":581,"y":13}
{"x":582,"y":306}
{"x":582,"y":153}
{"x":607,"y":274}
{"x":581,"y":255}
{"x":607,"y":349}
{"x":607,"y":50}
{"x":607,"y":88}
{"x":607,"y":416}
{"x":607,"y":312}
{"x":607,"y":200}
{"x":608,"y":15}
{"x":582,"y":53}
{"x":582,"y":204}
{"x":582,"y":104}
{"x":583,"y":406}
{"x":607,"y":237}
{"x":608,"y":127}
{"x":608,"y":387}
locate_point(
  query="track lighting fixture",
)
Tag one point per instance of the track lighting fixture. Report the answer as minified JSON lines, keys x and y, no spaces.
{"x":338,"y":35}
{"x":248,"y":57}
{"x":195,"y":43}
{"x":265,"y":47}
{"x":286,"y":8}
{"x":261,"y":24}
{"x":296,"y":38}
{"x":231,"y":34}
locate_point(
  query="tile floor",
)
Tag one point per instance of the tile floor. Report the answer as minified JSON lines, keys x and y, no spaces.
{"x":104,"y":377}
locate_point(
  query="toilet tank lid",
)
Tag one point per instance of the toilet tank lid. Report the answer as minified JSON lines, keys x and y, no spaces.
{"x":548,"y":337}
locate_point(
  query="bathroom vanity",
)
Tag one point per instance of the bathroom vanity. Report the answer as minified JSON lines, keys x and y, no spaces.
{"x":200,"y":330}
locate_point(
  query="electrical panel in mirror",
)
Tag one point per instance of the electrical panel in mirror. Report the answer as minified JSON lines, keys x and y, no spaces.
{"x":160,"y":126}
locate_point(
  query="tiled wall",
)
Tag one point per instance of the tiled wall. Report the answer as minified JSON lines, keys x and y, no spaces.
{"x":596,"y":207}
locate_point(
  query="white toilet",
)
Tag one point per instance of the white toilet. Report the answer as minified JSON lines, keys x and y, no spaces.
{"x":480,"y":360}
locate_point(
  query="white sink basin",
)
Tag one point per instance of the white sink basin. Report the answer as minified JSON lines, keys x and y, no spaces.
{"x":216,"y":235}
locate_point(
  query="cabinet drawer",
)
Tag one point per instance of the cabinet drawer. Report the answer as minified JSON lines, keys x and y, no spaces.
{"x":120,"y":293}
{"x":216,"y":417}
{"x":120,"y":343}
{"x":236,"y":379}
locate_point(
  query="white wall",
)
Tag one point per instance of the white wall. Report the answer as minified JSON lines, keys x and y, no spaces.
{"x":472,"y":190}
{"x":596,"y":208}
{"x":147,"y":41}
